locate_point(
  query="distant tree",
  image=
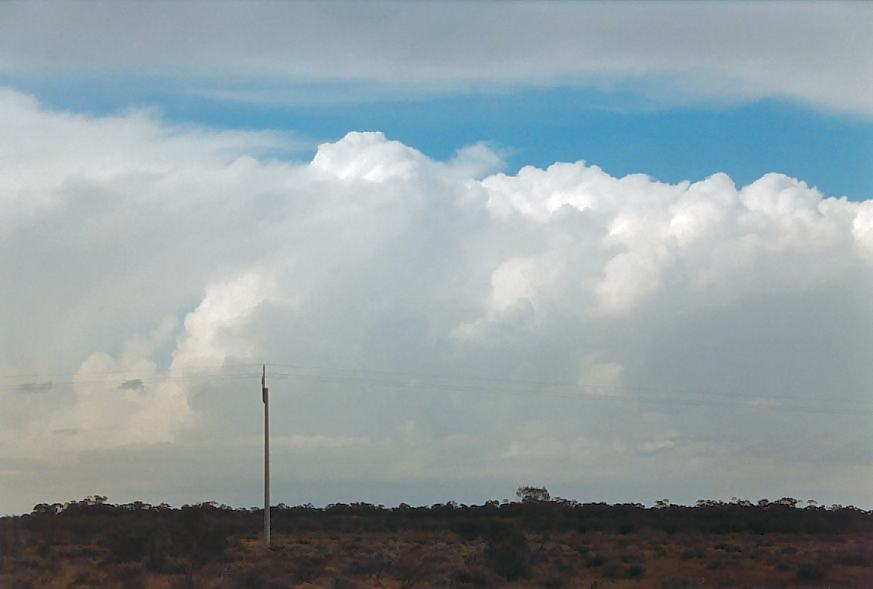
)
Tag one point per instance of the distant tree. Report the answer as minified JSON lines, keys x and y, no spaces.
{"x":787,"y":502}
{"x":45,"y":509}
{"x":533,"y":494}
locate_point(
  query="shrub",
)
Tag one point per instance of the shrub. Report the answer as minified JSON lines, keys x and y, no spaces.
{"x":475,"y":577}
{"x":614,"y":570}
{"x":856,"y":559}
{"x":309,"y":567}
{"x":85,"y":579}
{"x":631,"y":557}
{"x":126,"y":547}
{"x":810,"y":571}
{"x":130,"y":576}
{"x":250,"y":579}
{"x":679,"y":584}
{"x":594,"y":560}
{"x":695,"y":552}
{"x":344,"y":583}
{"x":187,"y":582}
{"x":508,"y":554}
{"x":467,"y":529}
{"x":370,"y":564}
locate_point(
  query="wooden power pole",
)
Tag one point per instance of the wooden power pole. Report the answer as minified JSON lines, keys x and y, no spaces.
{"x":265,"y":394}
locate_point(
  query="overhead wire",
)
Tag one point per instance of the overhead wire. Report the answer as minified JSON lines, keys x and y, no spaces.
{"x":497,"y":394}
{"x":488,"y":387}
{"x":551,"y":383}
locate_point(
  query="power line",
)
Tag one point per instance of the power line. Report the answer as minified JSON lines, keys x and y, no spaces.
{"x":497,"y":395}
{"x":492,"y":387}
{"x":70,"y":375}
{"x":470,"y":380}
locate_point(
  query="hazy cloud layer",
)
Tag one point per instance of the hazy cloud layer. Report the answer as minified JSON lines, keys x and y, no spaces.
{"x":439,"y":329}
{"x":819,"y":53}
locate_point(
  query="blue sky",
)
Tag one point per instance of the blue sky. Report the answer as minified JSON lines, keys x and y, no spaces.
{"x":623,"y":131}
{"x":674,"y":90}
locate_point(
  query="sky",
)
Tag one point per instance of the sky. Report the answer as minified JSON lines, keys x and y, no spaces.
{"x":623,"y":251}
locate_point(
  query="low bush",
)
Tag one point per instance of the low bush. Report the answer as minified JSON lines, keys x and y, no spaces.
{"x":693,"y":552}
{"x":616,"y":570}
{"x":508,"y":553}
{"x":810,"y":571}
{"x":679,"y":584}
{"x":594,"y":560}
{"x":857,"y":558}
{"x":309,"y":567}
{"x":474,"y":577}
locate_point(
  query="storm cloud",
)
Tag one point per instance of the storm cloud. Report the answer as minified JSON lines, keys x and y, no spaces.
{"x":432,"y":328}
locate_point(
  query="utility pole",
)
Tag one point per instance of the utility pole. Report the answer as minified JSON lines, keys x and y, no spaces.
{"x":265,"y":395}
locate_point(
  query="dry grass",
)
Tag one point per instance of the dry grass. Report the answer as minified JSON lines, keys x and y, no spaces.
{"x":417,"y":559}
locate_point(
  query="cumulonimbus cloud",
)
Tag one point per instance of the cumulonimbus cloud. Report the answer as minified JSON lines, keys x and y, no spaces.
{"x":154,"y":252}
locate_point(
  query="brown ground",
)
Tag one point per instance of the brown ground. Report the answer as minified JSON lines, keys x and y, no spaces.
{"x":444,"y":559}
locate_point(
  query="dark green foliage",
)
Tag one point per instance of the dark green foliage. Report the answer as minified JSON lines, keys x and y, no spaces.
{"x":533,"y":494}
{"x":176,"y":541}
{"x":693,"y":552}
{"x":125,"y":546}
{"x":810,"y":571}
{"x":595,"y":560}
{"x":185,"y":582}
{"x":617,"y":570}
{"x":198,"y":530}
{"x":344,"y":583}
{"x":130,"y":576}
{"x":613,"y":570}
{"x":507,"y":552}
{"x":858,"y":558}
{"x":679,"y":584}
{"x":468,"y":529}
{"x":251,"y":579}
{"x":309,"y":567}
{"x":471,"y":577}
{"x":627,"y":528}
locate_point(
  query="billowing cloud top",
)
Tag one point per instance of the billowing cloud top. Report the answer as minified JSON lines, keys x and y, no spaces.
{"x":432,"y":321}
{"x":817,"y":52}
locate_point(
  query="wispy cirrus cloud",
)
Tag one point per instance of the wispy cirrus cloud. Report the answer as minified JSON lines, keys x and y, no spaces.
{"x":817,"y":53}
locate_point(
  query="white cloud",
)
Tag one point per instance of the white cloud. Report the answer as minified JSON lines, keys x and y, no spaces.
{"x":498,"y":314}
{"x":367,"y":156}
{"x":659,"y":443}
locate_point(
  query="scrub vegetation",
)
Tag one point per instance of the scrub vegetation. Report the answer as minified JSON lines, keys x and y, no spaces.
{"x":538,"y":541}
